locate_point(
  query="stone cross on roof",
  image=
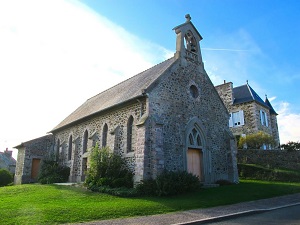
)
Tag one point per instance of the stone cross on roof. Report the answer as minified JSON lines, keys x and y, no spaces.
{"x":188,"y":17}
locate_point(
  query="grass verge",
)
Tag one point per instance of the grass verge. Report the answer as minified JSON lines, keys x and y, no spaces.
{"x":51,"y":204}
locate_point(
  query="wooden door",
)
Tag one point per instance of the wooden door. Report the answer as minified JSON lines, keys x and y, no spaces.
{"x":35,"y":168}
{"x":194,"y":162}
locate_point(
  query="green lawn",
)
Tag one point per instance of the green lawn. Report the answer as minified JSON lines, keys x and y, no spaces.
{"x":51,"y":204}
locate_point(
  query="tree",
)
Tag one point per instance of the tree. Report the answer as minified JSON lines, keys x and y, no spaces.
{"x":256,"y":140}
{"x":291,"y":146}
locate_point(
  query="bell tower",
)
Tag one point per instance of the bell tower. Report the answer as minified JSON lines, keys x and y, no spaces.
{"x":188,"y":41}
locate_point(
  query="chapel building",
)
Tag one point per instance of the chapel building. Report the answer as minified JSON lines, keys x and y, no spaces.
{"x":169,"y":117}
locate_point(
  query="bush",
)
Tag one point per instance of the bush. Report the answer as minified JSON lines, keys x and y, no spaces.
{"x":6,"y":177}
{"x":223,"y":182}
{"x":52,"y":172}
{"x":291,"y":146}
{"x":256,"y":140}
{"x":107,"y":169}
{"x":169,"y":183}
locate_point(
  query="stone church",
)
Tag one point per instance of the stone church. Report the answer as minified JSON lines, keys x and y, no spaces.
{"x":169,"y":117}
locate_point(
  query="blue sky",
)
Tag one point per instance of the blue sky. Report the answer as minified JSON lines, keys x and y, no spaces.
{"x":56,"y":54}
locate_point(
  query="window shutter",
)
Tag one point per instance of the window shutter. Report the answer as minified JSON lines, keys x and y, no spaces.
{"x":266,"y":120}
{"x":261,"y":117}
{"x":230,"y":120}
{"x":242,"y":121}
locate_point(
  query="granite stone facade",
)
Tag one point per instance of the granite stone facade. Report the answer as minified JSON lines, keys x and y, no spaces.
{"x":30,"y":154}
{"x":252,"y":108}
{"x":169,"y":117}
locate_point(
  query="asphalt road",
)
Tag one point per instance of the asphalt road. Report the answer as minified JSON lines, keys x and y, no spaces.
{"x":286,"y":216}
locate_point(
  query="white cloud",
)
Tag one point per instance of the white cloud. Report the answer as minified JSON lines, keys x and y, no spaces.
{"x":289,"y":124}
{"x":231,"y":56}
{"x":56,"y":54}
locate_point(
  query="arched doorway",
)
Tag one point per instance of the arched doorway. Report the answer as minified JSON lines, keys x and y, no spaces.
{"x":195,"y":152}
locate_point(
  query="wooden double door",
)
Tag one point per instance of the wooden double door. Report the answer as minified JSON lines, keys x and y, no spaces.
{"x":195,"y":162}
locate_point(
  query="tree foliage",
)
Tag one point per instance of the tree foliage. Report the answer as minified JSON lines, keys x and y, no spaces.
{"x":291,"y":146}
{"x":256,"y":141}
{"x":107,"y":169}
{"x":52,"y":172}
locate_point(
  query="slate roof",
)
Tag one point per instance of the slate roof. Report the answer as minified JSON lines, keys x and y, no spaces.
{"x":127,"y":90}
{"x":245,"y":93}
{"x":6,"y":161}
{"x":272,"y":111}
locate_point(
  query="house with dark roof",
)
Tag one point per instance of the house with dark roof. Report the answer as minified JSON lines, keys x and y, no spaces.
{"x":169,"y":117}
{"x":248,"y":112}
{"x":7,"y":161}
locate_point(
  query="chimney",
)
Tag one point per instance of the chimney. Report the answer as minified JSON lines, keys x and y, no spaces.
{"x":8,"y":153}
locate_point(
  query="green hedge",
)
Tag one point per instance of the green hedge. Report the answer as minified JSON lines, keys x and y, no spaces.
{"x":169,"y":183}
{"x":252,"y":171}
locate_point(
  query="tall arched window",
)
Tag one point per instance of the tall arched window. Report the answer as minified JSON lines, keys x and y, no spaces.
{"x":57,"y":149}
{"x":104,"y":135}
{"x":195,"y":139}
{"x":70,"y":148}
{"x":85,"y":141}
{"x":129,"y":134}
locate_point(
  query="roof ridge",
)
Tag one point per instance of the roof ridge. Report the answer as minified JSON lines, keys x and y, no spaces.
{"x":249,"y":88}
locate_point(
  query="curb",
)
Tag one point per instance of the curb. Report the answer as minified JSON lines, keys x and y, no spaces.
{"x":234,"y":215}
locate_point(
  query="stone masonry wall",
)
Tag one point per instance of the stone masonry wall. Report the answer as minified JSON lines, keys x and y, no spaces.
{"x":34,"y":149}
{"x":274,"y":127}
{"x":116,"y":121}
{"x":270,"y":158}
{"x":173,"y":104}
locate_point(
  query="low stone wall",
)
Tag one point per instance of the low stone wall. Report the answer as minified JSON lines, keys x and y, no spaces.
{"x":270,"y":158}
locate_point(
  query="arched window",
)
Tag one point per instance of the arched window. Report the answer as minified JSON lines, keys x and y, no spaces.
{"x":70,"y":148}
{"x":85,"y":141}
{"x":194,"y":138}
{"x":129,"y":134}
{"x":104,"y":135}
{"x":57,"y":149}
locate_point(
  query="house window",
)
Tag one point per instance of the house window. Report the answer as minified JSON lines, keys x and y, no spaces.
{"x":129,"y":134}
{"x":263,"y":118}
{"x":85,"y":141}
{"x":236,"y":119}
{"x":70,"y":148}
{"x":104,"y":135}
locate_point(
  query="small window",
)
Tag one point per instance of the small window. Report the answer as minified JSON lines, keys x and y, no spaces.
{"x":85,"y":141}
{"x":194,"y":91}
{"x":70,"y":148}
{"x":129,"y":134}
{"x":57,"y":149}
{"x":191,"y":139}
{"x":104,"y":135}
{"x":263,"y":118}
